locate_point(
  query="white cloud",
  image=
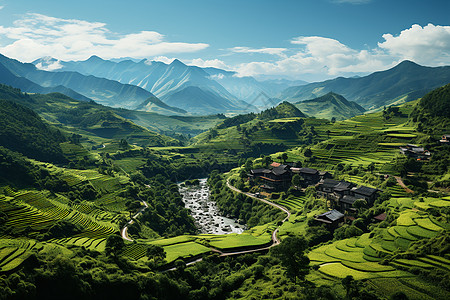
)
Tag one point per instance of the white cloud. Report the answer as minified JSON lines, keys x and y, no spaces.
{"x":37,"y":35}
{"x":428,"y":45}
{"x":163,"y":59}
{"x":320,"y":57}
{"x":271,"y":51}
{"x":2,"y":6}
{"x":214,"y":63}
{"x":49,"y":64}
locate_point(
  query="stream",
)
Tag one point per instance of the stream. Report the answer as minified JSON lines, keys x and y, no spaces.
{"x":205,"y":211}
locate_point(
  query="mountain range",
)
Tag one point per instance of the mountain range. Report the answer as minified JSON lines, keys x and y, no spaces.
{"x":405,"y":82}
{"x":179,"y":89}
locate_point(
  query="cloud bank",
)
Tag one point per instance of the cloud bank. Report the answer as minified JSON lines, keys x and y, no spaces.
{"x":317,"y":56}
{"x":36,"y":35}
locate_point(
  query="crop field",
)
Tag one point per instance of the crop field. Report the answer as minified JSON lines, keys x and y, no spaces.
{"x":36,"y":211}
{"x":361,"y":256}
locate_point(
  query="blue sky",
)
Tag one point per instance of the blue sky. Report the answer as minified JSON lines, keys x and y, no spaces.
{"x":309,"y":40}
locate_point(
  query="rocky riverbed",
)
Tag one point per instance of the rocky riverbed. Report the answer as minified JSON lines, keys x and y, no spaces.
{"x":205,"y":212}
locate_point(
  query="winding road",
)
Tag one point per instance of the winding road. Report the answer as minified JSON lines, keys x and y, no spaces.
{"x":124,"y":231}
{"x":275,"y":240}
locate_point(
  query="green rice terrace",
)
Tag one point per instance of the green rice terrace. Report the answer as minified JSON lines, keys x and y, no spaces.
{"x":108,"y":204}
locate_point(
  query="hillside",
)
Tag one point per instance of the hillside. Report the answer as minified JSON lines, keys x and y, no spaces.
{"x":98,"y":122}
{"x":405,"y":82}
{"x":329,"y":106}
{"x":153,"y":104}
{"x":23,"y":131}
{"x":104,"y":91}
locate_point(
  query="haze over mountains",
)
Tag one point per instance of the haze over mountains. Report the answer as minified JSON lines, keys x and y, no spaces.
{"x":179,"y":89}
{"x":405,"y":82}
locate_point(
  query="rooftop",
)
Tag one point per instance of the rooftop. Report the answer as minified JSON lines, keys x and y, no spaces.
{"x":348,"y":199}
{"x":365,"y":191}
{"x":332,"y":215}
{"x":308,"y":171}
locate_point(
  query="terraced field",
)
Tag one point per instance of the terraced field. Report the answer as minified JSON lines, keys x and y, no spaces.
{"x":38,"y":210}
{"x":361,"y":256}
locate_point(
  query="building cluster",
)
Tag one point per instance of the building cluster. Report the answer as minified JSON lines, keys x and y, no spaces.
{"x":415,"y":151}
{"x":341,"y":194}
{"x":445,"y":139}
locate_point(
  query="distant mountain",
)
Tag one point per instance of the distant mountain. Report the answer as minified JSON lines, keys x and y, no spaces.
{"x":8,"y":78}
{"x":153,"y":104}
{"x":257,"y":93}
{"x":166,"y":81}
{"x":405,"y":82}
{"x":329,"y":106}
{"x":101,"y":90}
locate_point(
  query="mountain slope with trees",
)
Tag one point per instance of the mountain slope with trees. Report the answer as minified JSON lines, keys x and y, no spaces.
{"x":330,"y":106}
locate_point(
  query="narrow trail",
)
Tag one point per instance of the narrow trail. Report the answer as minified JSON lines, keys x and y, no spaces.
{"x":402,"y":184}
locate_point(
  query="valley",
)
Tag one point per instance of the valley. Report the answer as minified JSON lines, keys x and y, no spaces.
{"x":311,"y":198}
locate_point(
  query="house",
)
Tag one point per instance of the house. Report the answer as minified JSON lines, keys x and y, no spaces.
{"x":310,"y":176}
{"x":346,"y":203}
{"x":332,"y":219}
{"x":333,"y":189}
{"x":367,"y":193}
{"x":325,"y":175}
{"x":325,"y":187}
{"x":415,"y":151}
{"x":275,"y":179}
{"x":445,"y":139}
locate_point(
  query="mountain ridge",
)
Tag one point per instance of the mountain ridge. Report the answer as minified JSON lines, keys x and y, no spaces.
{"x":379,"y":88}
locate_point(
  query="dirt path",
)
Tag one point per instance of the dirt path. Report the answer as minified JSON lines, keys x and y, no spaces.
{"x":402,"y":184}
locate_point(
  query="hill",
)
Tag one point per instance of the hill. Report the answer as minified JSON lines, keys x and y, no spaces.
{"x":153,"y":104}
{"x":95,"y":121}
{"x":101,"y":90}
{"x":329,"y":106}
{"x":405,"y":82}
{"x":23,"y":131}
{"x":432,"y":114}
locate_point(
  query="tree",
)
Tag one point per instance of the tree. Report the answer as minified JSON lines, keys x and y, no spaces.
{"x":296,"y":181}
{"x":292,"y":257}
{"x":156,"y":253}
{"x":308,"y":152}
{"x":284,"y":157}
{"x":359,"y":204}
{"x":328,"y":133}
{"x":348,"y":282}
{"x":333,"y":120}
{"x":114,"y":244}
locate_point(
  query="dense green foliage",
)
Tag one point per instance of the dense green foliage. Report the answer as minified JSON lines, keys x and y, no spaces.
{"x":23,"y":131}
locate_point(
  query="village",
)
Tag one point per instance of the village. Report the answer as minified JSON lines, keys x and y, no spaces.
{"x":343,"y":198}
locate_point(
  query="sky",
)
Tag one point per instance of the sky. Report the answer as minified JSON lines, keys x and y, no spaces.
{"x":308,"y":40}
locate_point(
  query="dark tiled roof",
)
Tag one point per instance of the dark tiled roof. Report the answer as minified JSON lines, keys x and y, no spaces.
{"x":279,"y":170}
{"x":257,"y":171}
{"x":308,"y":171}
{"x":332,"y":215}
{"x":348,"y":199}
{"x":365,"y":191}
{"x":328,"y":183}
{"x":343,"y":186}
